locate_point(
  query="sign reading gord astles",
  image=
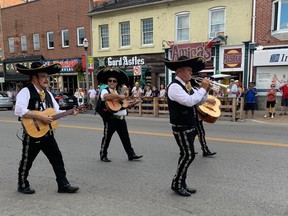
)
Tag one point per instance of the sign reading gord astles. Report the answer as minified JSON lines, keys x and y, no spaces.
{"x":125,"y":61}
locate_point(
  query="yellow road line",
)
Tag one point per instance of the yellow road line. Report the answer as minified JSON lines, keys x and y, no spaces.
{"x":170,"y":135}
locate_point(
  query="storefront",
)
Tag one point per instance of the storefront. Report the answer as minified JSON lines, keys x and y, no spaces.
{"x":144,"y":68}
{"x":68,"y":77}
{"x":191,"y":50}
{"x":231,"y":62}
{"x":13,"y":79}
{"x":271,"y":67}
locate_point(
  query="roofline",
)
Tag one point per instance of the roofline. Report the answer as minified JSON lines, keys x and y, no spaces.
{"x":130,"y":7}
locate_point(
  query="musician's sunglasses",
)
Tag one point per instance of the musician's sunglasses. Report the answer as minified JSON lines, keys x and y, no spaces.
{"x":114,"y":81}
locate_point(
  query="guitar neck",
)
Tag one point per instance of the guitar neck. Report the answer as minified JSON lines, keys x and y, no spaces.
{"x":63,"y":114}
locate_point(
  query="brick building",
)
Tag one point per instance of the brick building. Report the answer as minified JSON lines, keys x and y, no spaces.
{"x":271,"y":39}
{"x":48,"y":31}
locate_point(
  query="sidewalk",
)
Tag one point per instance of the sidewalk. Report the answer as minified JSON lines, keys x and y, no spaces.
{"x":258,"y":116}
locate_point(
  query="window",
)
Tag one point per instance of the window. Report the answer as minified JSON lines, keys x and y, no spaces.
{"x":23,"y":43}
{"x":124,"y":34}
{"x":65,"y":38}
{"x":11,"y":45}
{"x":280,"y":15}
{"x":104,"y":37}
{"x":182,"y":26}
{"x":50,"y":40}
{"x":36,"y":42}
{"x":216,"y":21}
{"x":80,"y":36}
{"x":147,"y":31}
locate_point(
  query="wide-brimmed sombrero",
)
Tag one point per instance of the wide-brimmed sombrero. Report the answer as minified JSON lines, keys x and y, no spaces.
{"x":107,"y":72}
{"x":37,"y":67}
{"x":197,"y":63}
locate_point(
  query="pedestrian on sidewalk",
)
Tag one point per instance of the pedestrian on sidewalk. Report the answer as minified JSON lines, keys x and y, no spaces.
{"x":284,"y":100}
{"x":270,"y":102}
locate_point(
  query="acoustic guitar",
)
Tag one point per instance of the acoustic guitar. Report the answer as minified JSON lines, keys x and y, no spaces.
{"x":209,"y":112}
{"x":116,"y":105}
{"x":36,"y":128}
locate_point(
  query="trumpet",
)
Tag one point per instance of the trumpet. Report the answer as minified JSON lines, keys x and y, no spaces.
{"x":215,"y":86}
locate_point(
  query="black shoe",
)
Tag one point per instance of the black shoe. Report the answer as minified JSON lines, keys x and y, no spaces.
{"x":181,"y":191}
{"x":207,"y":153}
{"x":105,"y":159}
{"x":26,"y":190}
{"x":134,"y":157}
{"x":190,"y":190}
{"x":67,"y":189}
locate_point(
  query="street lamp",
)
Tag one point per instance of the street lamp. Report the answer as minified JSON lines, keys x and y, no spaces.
{"x":85,"y":45}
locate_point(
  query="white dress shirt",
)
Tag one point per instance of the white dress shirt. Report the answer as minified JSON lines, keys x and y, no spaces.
{"x":22,"y":101}
{"x":178,"y":94}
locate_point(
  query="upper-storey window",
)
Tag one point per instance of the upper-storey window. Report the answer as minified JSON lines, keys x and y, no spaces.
{"x":147,"y":31}
{"x":104,"y":37}
{"x":216,"y":22}
{"x":65,"y":38}
{"x":125,"y":34}
{"x":23,"y":43}
{"x":50,"y":40}
{"x":80,"y":36}
{"x":11,"y":45}
{"x":183,"y":26}
{"x":280,"y":15}
{"x":36,"y":42}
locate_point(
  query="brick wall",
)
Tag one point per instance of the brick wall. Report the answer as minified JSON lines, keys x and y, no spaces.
{"x":42,"y":16}
{"x":263,"y":24}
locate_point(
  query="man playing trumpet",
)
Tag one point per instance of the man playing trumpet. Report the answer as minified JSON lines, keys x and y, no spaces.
{"x":183,"y":115}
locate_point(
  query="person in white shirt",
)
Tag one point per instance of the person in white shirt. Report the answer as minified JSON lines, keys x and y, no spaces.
{"x":30,"y":101}
{"x":92,"y":97}
{"x":183,"y":115}
{"x":137,"y":92}
{"x":114,"y":121}
{"x":233,"y":89}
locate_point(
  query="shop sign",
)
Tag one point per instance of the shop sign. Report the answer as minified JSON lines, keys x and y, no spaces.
{"x":191,"y":50}
{"x":125,"y":61}
{"x":232,"y":58}
{"x":67,"y":64}
{"x":273,"y":57}
{"x":12,"y":66}
{"x":137,"y":70}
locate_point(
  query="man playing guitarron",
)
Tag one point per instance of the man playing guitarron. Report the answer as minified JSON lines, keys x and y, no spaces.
{"x":113,"y":119}
{"x":30,"y":101}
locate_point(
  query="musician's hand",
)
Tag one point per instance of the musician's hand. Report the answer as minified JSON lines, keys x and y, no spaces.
{"x":121,"y":96}
{"x":45,"y":119}
{"x":75,"y":111}
{"x":206,"y":84}
{"x":212,"y":101}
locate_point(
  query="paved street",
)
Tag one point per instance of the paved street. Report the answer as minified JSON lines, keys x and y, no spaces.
{"x":247,"y":177}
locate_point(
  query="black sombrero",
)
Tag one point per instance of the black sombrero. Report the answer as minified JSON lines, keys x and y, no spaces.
{"x":197,"y":63}
{"x":107,"y":72}
{"x":37,"y":67}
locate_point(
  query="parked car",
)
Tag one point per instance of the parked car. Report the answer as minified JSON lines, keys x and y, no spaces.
{"x":65,"y":100}
{"x":5,"y":101}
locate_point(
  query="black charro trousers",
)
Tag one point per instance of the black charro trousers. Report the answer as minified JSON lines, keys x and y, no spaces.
{"x":31,"y":147}
{"x":120,"y":126}
{"x":184,"y":137}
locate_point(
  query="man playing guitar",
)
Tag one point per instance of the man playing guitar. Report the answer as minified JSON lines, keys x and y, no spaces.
{"x":114,"y":119}
{"x":30,"y":101}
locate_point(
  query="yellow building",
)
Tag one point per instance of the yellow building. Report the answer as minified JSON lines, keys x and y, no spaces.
{"x":138,"y":35}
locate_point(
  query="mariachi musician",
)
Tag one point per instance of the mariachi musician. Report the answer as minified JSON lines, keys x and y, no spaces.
{"x":113,"y":121}
{"x":199,"y":124}
{"x":31,"y":103}
{"x":183,"y":115}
